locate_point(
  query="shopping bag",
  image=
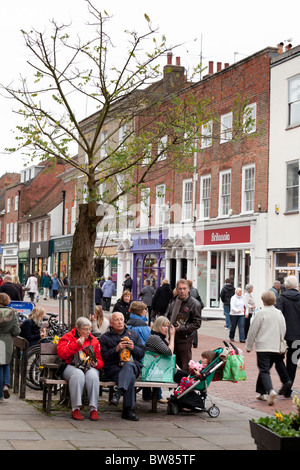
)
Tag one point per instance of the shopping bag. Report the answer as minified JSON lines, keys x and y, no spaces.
{"x":158,"y":367}
{"x":234,"y":369}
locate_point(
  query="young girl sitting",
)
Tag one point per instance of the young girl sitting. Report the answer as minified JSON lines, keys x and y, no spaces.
{"x":195,"y":368}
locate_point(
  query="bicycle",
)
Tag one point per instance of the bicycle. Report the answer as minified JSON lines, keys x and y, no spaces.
{"x":34,"y":369}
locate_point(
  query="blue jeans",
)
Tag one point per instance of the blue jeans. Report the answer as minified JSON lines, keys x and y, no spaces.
{"x":237,"y":320}
{"x":4,"y":377}
{"x":227,"y":316}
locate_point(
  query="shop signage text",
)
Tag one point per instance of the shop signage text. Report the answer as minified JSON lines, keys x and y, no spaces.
{"x":223,"y":236}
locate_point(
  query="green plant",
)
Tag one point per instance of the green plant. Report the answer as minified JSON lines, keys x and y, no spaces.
{"x":283,"y":425}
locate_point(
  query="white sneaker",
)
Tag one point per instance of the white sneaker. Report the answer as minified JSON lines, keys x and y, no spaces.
{"x":261,"y":397}
{"x":272,"y":396}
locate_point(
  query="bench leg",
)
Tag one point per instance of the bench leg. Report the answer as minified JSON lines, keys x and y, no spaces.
{"x":44,"y":396}
{"x":48,"y":411}
{"x":154,"y":399}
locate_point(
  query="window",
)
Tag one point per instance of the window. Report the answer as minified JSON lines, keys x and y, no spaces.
{"x":46,"y":229}
{"x":187,"y":198}
{"x":7,"y":233}
{"x":248,"y":185}
{"x":205,"y":185}
{"x":162,"y":145}
{"x":16,"y":203}
{"x":294,"y":101}
{"x":103,"y":151}
{"x":292,"y":187}
{"x":250,"y":118}
{"x":145,"y":207}
{"x":15,"y":232}
{"x":206,"y":140}
{"x":160,"y":204}
{"x":226,"y":128}
{"x":224,"y":192}
{"x":147,"y":155}
{"x":8,"y":205}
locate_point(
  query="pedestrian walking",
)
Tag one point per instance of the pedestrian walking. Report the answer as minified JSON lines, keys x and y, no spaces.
{"x":46,"y":283}
{"x":9,"y":328}
{"x":289,"y":304}
{"x":226,"y":293}
{"x":238,"y":310}
{"x":108,"y":290}
{"x":267,"y":331}
{"x":161,"y":299}
{"x":32,"y":286}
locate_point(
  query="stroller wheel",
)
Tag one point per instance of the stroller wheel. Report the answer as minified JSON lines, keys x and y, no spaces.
{"x":173,"y":409}
{"x":213,"y":411}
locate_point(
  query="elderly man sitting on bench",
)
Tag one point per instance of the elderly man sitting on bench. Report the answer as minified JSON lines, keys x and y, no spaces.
{"x":122,"y":351}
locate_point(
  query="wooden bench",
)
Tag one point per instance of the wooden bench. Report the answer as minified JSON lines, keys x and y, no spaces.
{"x":49,"y":361}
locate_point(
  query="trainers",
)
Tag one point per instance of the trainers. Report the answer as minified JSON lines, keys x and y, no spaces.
{"x":77,"y":415}
{"x":163,"y":401}
{"x":94,"y":415}
{"x":6,"y":392}
{"x":261,"y":397}
{"x":272,"y":396}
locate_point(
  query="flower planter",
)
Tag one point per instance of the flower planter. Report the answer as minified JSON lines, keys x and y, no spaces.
{"x":268,"y":440}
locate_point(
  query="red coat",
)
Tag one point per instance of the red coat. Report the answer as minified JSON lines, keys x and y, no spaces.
{"x":67,"y":347}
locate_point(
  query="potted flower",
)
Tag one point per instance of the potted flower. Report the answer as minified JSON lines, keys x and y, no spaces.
{"x":279,"y":432}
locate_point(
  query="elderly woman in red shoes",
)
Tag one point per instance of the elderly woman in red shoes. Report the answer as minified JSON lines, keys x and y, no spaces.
{"x":81,"y":353}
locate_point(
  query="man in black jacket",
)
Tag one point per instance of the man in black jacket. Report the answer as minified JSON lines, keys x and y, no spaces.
{"x":289,"y":303}
{"x":226,"y":293}
{"x":185,"y":315}
{"x":161,"y":299}
{"x":9,"y":288}
{"x":123,"y":373}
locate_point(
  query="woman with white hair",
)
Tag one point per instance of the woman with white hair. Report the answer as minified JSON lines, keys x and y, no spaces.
{"x":289,"y":304}
{"x":238,"y":310}
{"x":71,"y":347}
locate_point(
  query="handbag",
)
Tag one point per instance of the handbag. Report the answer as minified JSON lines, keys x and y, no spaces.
{"x":158,"y":367}
{"x":234,"y":369}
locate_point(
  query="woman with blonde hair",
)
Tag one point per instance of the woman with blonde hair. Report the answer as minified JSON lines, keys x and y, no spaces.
{"x":100,"y":323}
{"x":31,"y":328}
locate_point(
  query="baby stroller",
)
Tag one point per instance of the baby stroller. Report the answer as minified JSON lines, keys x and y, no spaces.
{"x":194,"y":398}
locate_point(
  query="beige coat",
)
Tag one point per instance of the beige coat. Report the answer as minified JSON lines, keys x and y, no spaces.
{"x":267,"y":330}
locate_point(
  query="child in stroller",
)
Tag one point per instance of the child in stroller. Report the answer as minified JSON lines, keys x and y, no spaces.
{"x":192,"y":391}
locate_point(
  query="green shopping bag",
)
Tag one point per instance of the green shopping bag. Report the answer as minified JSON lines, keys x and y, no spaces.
{"x":234,"y":369}
{"x":158,"y":367}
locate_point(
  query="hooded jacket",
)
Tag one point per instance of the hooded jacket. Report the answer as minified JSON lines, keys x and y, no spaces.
{"x":108,"y":288}
{"x":289,"y":303}
{"x":226,"y":293}
{"x":9,"y":327}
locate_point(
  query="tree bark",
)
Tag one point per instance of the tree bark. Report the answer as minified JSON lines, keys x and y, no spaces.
{"x":82,"y":259}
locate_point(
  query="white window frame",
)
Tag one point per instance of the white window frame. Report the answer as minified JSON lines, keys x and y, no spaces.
{"x":294,"y":99}
{"x":294,"y":163}
{"x":206,"y":140}
{"x":148,"y":154}
{"x":11,"y":235}
{"x":7,"y":233}
{"x":8,"y":205}
{"x":16,"y":202}
{"x":187,"y":200}
{"x":144,"y":207}
{"x":222,"y":195}
{"x":160,"y":206}
{"x":15,"y":232}
{"x":250,"y":112}
{"x":204,"y":197}
{"x":103,"y":149}
{"x":226,"y":128}
{"x":162,"y":144}
{"x":246,"y":190}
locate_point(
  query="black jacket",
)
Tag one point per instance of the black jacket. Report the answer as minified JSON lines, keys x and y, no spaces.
{"x":110,"y":356}
{"x":190,"y":318}
{"x":161,"y":298}
{"x":289,"y":303}
{"x":30,"y":331}
{"x":123,"y":307}
{"x":226,"y":293}
{"x":10,"y":289}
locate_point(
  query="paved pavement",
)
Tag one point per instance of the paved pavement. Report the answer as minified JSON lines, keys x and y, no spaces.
{"x":23,"y":426}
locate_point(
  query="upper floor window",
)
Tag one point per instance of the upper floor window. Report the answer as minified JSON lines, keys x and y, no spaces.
{"x":250,"y":118}
{"x":205,"y":185}
{"x":294,"y":101}
{"x":161,"y":150}
{"x":206,"y":140}
{"x":145,"y":207}
{"x":160,"y":204}
{"x":224,"y":193}
{"x":187,"y":198}
{"x":292,"y":187}
{"x":248,"y":186}
{"x":226,"y":128}
{"x":8,"y":205}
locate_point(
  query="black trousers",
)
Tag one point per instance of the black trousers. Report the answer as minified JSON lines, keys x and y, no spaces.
{"x":265,"y":361}
{"x":292,"y":356}
{"x":126,"y":379}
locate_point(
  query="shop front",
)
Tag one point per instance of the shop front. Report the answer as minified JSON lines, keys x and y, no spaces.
{"x":61,"y":256}
{"x":39,"y":257}
{"x":222,"y":253}
{"x":148,"y":259}
{"x":286,"y":263}
{"x":10,"y":259}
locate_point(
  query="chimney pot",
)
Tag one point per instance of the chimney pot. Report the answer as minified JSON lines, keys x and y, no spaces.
{"x":178,"y":61}
{"x":226,"y":65}
{"x":169,"y":58}
{"x":210,"y":67}
{"x":219,"y":66}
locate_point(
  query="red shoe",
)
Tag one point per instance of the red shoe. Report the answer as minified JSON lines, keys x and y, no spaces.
{"x":94,"y":415}
{"x":77,"y":415}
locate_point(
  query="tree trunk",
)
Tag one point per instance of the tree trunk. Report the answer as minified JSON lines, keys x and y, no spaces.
{"x":82,"y":259}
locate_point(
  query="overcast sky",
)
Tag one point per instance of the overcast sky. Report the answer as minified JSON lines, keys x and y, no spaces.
{"x":225,"y":31}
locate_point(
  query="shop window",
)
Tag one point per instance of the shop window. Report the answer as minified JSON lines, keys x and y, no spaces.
{"x":286,"y":259}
